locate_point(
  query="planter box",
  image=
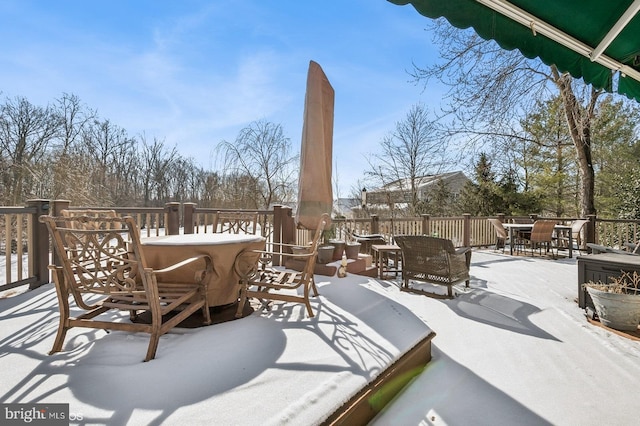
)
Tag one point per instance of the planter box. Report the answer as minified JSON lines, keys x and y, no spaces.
{"x":618,"y":311}
{"x":601,"y":267}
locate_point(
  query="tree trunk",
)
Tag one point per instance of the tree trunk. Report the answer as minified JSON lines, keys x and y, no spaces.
{"x":579,"y":120}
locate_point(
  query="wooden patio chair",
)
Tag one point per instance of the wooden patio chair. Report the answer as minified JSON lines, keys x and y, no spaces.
{"x":104,"y":269}
{"x":235,"y":222}
{"x":576,"y":233}
{"x":501,"y":234}
{"x":433,"y":260}
{"x":523,"y":234}
{"x":542,"y":235}
{"x":282,"y":284}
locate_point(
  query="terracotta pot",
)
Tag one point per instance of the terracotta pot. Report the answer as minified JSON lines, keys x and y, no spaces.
{"x":618,"y":311}
{"x":352,"y":250}
{"x":338,"y":249}
{"x":299,"y":250}
{"x":325,"y":254}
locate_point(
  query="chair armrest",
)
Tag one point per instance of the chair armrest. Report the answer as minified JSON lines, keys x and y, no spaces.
{"x":288,"y":245}
{"x":462,"y":250}
{"x":460,"y":255}
{"x":247,"y":261}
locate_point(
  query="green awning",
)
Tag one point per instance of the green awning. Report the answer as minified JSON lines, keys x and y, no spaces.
{"x":589,"y":39}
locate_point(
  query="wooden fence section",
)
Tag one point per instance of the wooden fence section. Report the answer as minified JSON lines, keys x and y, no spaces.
{"x":25,"y":249}
{"x":24,"y":245}
{"x":24,"y":241}
{"x":463,"y":231}
{"x":617,"y":233}
{"x":16,"y":225}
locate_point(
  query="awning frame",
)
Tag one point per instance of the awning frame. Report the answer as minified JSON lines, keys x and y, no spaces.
{"x":594,"y":54}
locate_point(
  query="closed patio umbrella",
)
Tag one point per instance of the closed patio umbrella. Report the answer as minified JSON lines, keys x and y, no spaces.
{"x":315,"y":195}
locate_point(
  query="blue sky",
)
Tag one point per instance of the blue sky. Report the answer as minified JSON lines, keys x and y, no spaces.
{"x":194,"y":72}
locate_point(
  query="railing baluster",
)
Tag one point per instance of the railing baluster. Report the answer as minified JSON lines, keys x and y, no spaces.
{"x":7,"y":247}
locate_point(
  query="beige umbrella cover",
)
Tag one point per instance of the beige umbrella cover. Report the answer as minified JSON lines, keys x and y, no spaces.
{"x":315,"y":195}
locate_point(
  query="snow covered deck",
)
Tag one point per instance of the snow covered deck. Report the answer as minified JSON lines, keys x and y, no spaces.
{"x":513,"y":349}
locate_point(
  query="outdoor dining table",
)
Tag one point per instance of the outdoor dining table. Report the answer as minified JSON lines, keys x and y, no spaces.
{"x":224,"y":286}
{"x":513,"y":229}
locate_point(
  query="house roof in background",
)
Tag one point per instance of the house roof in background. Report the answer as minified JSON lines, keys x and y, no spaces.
{"x":423,"y":181}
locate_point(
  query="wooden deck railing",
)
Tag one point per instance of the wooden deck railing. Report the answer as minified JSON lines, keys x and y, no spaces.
{"x":25,"y":250}
{"x":463,"y":231}
{"x":24,"y":245}
{"x":24,"y":241}
{"x":617,"y":233}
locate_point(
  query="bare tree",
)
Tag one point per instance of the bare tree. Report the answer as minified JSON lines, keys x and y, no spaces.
{"x":413,"y":150}
{"x":156,"y":162}
{"x":76,"y":120}
{"x":111,"y":153}
{"x":26,"y":131}
{"x":490,"y":87}
{"x":261,"y":153}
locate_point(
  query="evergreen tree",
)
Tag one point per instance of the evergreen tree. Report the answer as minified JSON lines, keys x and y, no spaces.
{"x":616,"y":148}
{"x":553,"y":175}
{"x":479,"y":197}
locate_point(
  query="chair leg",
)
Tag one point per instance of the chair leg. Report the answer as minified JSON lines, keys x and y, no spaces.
{"x":153,"y":345}
{"x":133,"y":315}
{"x":243,"y":300}
{"x":205,"y":308}
{"x":306,"y":301}
{"x":206,"y":314}
{"x":156,"y":323}
{"x":60,"y":335}
{"x":314,"y":288}
{"x":63,"y":306}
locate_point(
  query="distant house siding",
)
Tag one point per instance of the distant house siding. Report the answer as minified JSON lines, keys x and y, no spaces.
{"x":454,"y":181}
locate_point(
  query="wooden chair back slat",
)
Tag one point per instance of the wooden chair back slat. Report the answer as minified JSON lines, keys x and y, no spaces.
{"x":235,"y":222}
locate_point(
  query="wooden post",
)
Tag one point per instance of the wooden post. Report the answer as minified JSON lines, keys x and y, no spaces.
{"x":425,"y":224}
{"x":56,"y":207}
{"x":172,"y":210}
{"x":39,"y":244}
{"x":590,"y":230}
{"x":288,"y":226}
{"x":277,"y":234}
{"x":375,"y":224}
{"x":188,"y":217}
{"x":466,"y":234}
